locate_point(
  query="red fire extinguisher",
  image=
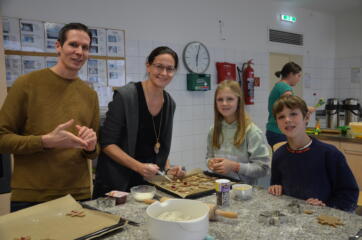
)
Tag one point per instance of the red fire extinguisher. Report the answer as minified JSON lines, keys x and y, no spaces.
{"x":248,"y":82}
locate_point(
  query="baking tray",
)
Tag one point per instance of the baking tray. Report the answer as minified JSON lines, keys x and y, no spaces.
{"x":201,"y":192}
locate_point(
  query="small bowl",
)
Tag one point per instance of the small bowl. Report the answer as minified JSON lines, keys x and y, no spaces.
{"x":242,"y":191}
{"x":120,"y":197}
{"x":143,"y":192}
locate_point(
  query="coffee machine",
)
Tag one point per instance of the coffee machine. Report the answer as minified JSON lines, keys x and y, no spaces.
{"x":351,"y":108}
{"x":332,"y":112}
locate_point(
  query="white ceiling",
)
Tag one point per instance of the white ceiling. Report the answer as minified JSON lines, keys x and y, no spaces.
{"x":334,"y":7}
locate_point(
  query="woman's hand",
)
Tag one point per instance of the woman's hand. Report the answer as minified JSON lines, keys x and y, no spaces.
{"x":222,"y":165}
{"x":275,"y":190}
{"x":148,"y":170}
{"x":176,"y":172}
{"x":315,"y":202}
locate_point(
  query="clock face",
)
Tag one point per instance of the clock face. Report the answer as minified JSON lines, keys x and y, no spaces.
{"x":196,"y":57}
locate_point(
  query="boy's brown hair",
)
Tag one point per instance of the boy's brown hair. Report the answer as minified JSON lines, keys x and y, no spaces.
{"x":291,"y":102}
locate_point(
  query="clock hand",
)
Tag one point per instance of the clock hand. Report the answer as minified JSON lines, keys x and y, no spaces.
{"x":197,"y":56}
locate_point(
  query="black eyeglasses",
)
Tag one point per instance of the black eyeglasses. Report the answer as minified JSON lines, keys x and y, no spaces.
{"x":161,"y":68}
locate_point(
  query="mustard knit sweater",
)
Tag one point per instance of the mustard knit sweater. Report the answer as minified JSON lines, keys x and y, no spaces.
{"x":36,"y":104}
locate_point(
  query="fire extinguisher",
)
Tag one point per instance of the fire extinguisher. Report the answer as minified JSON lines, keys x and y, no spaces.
{"x":248,"y":82}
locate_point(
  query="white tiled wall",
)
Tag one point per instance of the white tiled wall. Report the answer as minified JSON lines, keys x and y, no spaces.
{"x":194,"y":110}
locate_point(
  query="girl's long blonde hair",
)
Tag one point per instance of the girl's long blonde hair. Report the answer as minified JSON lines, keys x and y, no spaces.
{"x":242,"y":118}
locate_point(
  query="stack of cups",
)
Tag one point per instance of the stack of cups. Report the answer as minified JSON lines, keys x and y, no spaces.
{"x":222,"y":187}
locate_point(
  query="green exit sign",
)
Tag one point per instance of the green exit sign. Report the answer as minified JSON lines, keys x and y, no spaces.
{"x":288,"y":18}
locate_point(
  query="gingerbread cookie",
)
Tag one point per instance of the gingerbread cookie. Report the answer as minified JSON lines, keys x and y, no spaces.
{"x":329,"y":220}
{"x":76,"y":213}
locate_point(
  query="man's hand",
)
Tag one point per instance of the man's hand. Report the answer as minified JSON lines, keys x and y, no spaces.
{"x":89,"y":136}
{"x":222,"y":165}
{"x":315,"y":202}
{"x":275,"y":190}
{"x":61,"y":138}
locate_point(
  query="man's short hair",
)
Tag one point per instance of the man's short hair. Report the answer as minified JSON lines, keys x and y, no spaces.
{"x":62,"y":36}
{"x":291,"y":102}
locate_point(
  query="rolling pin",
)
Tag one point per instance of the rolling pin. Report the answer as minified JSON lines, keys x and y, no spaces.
{"x":213,"y":212}
{"x":150,"y":201}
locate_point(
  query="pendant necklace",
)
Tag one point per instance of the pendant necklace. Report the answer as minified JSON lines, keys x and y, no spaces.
{"x":158,"y":144}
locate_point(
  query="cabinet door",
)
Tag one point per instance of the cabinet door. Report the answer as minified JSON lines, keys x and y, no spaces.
{"x":353,"y":153}
{"x":337,"y":144}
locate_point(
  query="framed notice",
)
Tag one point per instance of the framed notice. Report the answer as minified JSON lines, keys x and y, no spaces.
{"x":51,"y":35}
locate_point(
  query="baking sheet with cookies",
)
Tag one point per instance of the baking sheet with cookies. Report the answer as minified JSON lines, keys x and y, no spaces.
{"x":194,"y":184}
{"x":62,"y":219}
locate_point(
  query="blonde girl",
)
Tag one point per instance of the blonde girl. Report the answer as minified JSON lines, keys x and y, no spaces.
{"x":235,"y":145}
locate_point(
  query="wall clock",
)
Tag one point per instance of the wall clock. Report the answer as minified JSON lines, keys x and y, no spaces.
{"x":196,"y":57}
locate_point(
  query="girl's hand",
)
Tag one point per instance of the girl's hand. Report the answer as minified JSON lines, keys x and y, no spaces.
{"x":315,"y":202}
{"x":275,"y":190}
{"x":223,"y":165}
{"x":176,"y":172}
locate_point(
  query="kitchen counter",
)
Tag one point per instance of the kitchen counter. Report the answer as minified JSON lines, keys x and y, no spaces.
{"x":336,"y":137}
{"x":246,"y":226}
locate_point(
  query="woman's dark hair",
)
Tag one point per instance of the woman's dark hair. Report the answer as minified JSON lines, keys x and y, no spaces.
{"x":162,"y":50}
{"x":62,"y":35}
{"x":290,"y":67}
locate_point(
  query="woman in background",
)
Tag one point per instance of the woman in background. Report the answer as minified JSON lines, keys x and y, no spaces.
{"x":136,"y":135}
{"x":290,"y":74}
{"x":235,"y":145}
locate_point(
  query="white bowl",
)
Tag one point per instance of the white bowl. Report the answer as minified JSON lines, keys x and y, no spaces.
{"x":194,"y":229}
{"x":241,"y":191}
{"x":143,"y":192}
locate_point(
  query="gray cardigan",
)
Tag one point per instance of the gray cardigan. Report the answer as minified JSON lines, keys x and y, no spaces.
{"x":121,"y":128}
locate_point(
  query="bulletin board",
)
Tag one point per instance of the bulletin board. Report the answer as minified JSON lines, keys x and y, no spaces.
{"x":30,"y":45}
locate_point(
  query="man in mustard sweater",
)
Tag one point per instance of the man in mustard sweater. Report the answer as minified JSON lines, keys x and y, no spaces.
{"x":49,"y":121}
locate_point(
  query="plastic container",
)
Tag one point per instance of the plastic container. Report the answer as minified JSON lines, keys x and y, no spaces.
{"x":120,"y":197}
{"x":143,"y":192}
{"x":242,"y":191}
{"x":356,"y":129}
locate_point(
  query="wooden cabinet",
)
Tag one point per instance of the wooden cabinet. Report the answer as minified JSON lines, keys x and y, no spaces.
{"x":337,"y":144}
{"x":353,"y":153}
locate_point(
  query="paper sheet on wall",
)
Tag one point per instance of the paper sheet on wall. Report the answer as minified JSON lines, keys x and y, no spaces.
{"x":97,"y":72}
{"x":50,"y":61}
{"x":83,"y":72}
{"x":32,"y":63}
{"x":105,"y":95}
{"x":116,"y":73}
{"x":307,"y":79}
{"x":99,"y":43}
{"x":11,"y":33}
{"x":13,"y":68}
{"x":32,"y":35}
{"x":51,"y":35}
{"x":115,"y":43}
{"x":356,"y":75}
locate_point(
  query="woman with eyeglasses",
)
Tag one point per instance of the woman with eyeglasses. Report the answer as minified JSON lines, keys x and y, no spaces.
{"x":136,"y":134}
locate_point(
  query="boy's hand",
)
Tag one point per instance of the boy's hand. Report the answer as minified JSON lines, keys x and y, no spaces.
{"x":315,"y":202}
{"x":275,"y":190}
{"x":222,"y":165}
